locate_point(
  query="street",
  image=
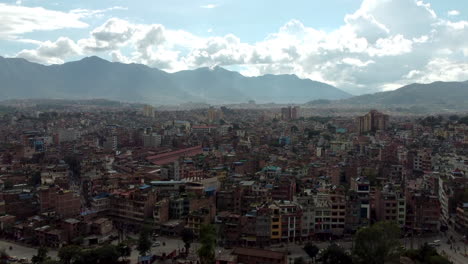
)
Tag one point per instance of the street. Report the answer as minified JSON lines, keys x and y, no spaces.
{"x":456,"y":253}
{"x":21,"y":251}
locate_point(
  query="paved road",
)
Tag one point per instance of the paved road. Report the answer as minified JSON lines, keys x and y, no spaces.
{"x":456,"y":254}
{"x":167,"y":246}
{"x":296,"y":250}
{"x":21,"y":251}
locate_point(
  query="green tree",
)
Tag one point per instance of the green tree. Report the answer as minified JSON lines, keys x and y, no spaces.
{"x":299,"y":260}
{"x":313,"y":133}
{"x":41,"y":256}
{"x":108,"y":254}
{"x":74,"y":164}
{"x":377,"y":244}
{"x":87,"y":256}
{"x":294,"y":129}
{"x":187,"y":237}
{"x":334,"y":254}
{"x":144,"y":241}
{"x":426,"y":254}
{"x":51,"y":261}
{"x":438,"y":260}
{"x":124,"y":250}
{"x":463,"y":120}
{"x":69,"y":254}
{"x":311,"y":249}
{"x":454,"y":118}
{"x":206,"y":252}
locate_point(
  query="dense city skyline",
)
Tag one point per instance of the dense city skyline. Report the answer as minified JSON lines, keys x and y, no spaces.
{"x":234,"y":132}
{"x":99,"y":180}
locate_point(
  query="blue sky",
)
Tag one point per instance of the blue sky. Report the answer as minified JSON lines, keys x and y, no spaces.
{"x":358,"y":46}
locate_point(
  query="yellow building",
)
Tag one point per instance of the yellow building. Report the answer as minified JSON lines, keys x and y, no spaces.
{"x":214,"y":115}
{"x":275,"y":222}
{"x":148,"y":111}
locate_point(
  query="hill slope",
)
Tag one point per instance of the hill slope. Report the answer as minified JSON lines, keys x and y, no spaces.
{"x":93,"y":77}
{"x":451,"y":95}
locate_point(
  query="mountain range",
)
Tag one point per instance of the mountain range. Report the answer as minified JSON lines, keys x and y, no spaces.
{"x":93,"y":77}
{"x":414,"y":98}
{"x":450,"y":95}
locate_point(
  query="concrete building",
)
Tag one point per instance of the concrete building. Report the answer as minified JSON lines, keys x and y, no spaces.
{"x":390,"y":205}
{"x":361,"y":186}
{"x":214,"y":115}
{"x":64,"y":203}
{"x":148,"y":111}
{"x":338,"y":210}
{"x":152,"y":140}
{"x":306,"y":201}
{"x":373,"y":121}
{"x":461,"y":219}
{"x":130,"y":208}
{"x":290,"y":113}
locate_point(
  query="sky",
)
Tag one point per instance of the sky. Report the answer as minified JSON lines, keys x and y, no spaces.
{"x":358,"y":46}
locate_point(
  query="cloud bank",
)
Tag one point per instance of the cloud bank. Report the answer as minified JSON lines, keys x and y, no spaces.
{"x":381,"y":46}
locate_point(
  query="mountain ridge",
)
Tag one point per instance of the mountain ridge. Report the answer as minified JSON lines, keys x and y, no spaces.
{"x":94,"y":77}
{"x":437,"y":95}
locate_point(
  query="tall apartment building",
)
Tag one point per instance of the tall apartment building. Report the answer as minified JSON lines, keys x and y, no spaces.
{"x":148,"y":111}
{"x":373,"y":121}
{"x":423,"y":210}
{"x":152,"y":140}
{"x":130,"y":208}
{"x":390,"y":205}
{"x":64,"y":203}
{"x":110,"y":143}
{"x":214,"y":115}
{"x":290,"y":113}
{"x":322,"y":214}
{"x":306,"y":200}
{"x":291,"y":216}
{"x":361,"y":186}
{"x":461,"y":218}
{"x":66,"y":135}
{"x":338,"y":210}
{"x":422,"y":160}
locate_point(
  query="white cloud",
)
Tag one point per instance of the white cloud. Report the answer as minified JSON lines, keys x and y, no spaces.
{"x":209,"y":6}
{"x":371,"y":51}
{"x":117,"y":56}
{"x":109,"y":36}
{"x":85,"y":13}
{"x":441,"y":69}
{"x":453,"y":13}
{"x":18,"y":19}
{"x":51,"y":52}
{"x":390,"y":86}
{"x":357,"y":62}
